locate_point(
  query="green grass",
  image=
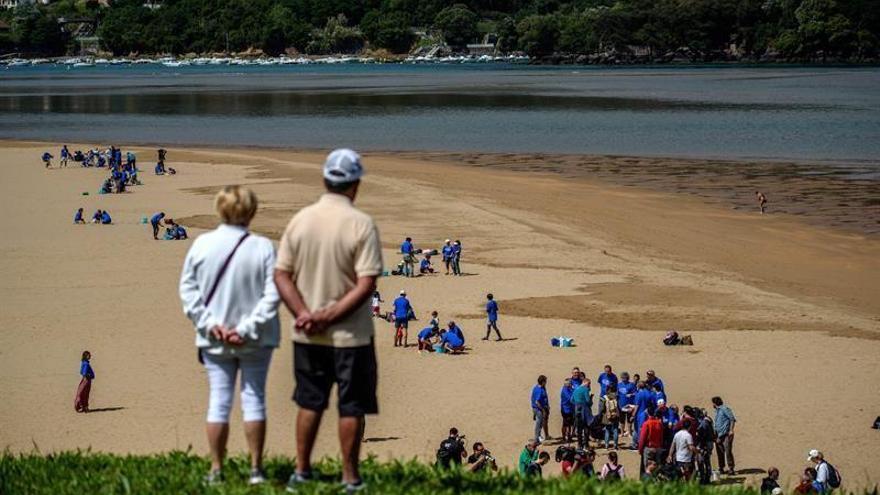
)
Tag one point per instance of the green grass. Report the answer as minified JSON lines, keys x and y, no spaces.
{"x":79,"y":473}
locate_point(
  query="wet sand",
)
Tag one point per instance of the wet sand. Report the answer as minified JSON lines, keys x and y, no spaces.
{"x":784,"y":314}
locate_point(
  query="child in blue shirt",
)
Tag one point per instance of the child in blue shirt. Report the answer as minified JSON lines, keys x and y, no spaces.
{"x":492,"y":318}
{"x":78,"y":217}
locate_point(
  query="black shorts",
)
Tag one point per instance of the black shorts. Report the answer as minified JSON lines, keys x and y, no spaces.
{"x":353,"y":369}
{"x":567,"y":419}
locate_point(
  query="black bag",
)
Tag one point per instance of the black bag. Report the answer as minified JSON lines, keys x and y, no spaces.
{"x":447,"y":452}
{"x":613,"y":474}
{"x":876,"y":423}
{"x":834,"y":478}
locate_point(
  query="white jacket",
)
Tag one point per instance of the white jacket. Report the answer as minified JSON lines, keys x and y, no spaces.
{"x":246,"y":298}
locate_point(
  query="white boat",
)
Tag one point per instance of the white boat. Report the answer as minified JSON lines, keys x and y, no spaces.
{"x":18,"y":63}
{"x":101,"y":61}
{"x":39,"y":61}
{"x":176,"y":63}
{"x":201,"y":61}
{"x":142,"y":61}
{"x":70,"y":61}
{"x":120,"y":61}
{"x":218,"y":61}
{"x":83,"y":64}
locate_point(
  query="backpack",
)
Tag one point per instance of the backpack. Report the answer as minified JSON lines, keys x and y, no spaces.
{"x":834,"y":477}
{"x":611,"y":411}
{"x":671,"y":338}
{"x":612,"y":474}
{"x":446,"y":452}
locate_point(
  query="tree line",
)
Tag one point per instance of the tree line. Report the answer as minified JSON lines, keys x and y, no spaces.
{"x":700,"y":30}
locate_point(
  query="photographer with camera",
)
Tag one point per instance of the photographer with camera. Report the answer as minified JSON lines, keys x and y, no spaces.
{"x":576,"y":461}
{"x":451,"y":450}
{"x":481,"y":459}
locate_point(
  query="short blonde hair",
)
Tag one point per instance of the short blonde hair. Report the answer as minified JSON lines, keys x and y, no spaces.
{"x":236,"y":205}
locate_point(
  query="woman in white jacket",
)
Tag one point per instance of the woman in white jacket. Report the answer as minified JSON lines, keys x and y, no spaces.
{"x":227,"y":291}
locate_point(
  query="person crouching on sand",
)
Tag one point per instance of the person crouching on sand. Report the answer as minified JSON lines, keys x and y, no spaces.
{"x":81,"y":402}
{"x":228,"y":292}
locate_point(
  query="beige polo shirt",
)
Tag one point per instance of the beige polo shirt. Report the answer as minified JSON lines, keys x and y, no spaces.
{"x":327,"y":246}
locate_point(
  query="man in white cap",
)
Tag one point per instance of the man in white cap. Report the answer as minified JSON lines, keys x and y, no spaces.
{"x":402,"y":310}
{"x":328,"y":260}
{"x":827,"y":477}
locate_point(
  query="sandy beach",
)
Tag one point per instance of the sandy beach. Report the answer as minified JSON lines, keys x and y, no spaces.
{"x":784,"y":314}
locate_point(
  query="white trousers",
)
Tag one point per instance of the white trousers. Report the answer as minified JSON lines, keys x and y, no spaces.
{"x":221,"y":371}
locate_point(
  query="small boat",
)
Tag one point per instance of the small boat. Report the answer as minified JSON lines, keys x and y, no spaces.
{"x":83,"y":64}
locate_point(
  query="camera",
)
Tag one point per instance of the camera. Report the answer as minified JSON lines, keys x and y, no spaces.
{"x":488,"y":456}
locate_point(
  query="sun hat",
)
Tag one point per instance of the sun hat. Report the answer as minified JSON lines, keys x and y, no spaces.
{"x":402,"y":292}
{"x":813,"y":454}
{"x":342,"y":166}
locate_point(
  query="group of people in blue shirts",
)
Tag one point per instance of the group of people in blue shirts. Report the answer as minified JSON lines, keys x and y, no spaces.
{"x":633,"y":400}
{"x":448,"y":339}
{"x":100,"y":217}
{"x":173,"y":230}
{"x":451,"y":255}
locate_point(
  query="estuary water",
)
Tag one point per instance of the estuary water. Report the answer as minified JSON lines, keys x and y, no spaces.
{"x":815,"y":115}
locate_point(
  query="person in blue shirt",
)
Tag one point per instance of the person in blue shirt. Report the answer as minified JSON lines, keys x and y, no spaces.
{"x":65,"y":155}
{"x":47,"y":159}
{"x":78,"y":217}
{"x":652,"y":380}
{"x":180,"y":233}
{"x":155,"y":221}
{"x":582,"y":399}
{"x":492,"y":318}
{"x":451,"y":342}
{"x":576,"y":377}
{"x":408,"y":251}
{"x":566,"y":408}
{"x":446,"y":251}
{"x":101,"y":161}
{"x":96,"y":218}
{"x":645,"y":406}
{"x":426,"y":266}
{"x":607,"y":381}
{"x":105,"y":218}
{"x":456,"y":258}
{"x":658,"y":393}
{"x":541,"y":408}
{"x":402,"y":310}
{"x":160,"y":168}
{"x":130,"y":159}
{"x":453,"y":328}
{"x":426,"y":337}
{"x":626,"y":401}
{"x":81,"y":400}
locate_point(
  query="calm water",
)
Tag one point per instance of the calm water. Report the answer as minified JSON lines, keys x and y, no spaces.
{"x":829,"y":115}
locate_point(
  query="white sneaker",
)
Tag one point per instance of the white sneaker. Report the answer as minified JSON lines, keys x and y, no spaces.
{"x":257,"y":477}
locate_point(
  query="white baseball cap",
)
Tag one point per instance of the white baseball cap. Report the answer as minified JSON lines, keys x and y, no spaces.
{"x":343,"y":165}
{"x":813,"y":454}
{"x":402,"y":292}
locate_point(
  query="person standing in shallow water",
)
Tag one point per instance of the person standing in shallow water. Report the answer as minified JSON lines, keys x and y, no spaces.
{"x":762,"y":201}
{"x":81,"y":402}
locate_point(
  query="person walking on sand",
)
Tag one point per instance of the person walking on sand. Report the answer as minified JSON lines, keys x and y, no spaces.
{"x":541,"y":408}
{"x":47,"y":159}
{"x":762,"y":201}
{"x":227,"y":291}
{"x":492,"y":318}
{"x":409,"y":257}
{"x":456,"y":258}
{"x":725,"y":422}
{"x":155,"y":221}
{"x":329,"y":259}
{"x":81,"y":401}
{"x":65,"y":155}
{"x":402,"y":310}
